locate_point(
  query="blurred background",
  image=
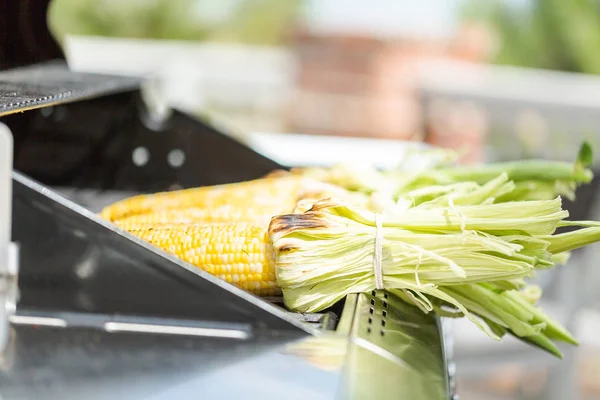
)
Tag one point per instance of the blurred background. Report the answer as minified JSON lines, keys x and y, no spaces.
{"x":496,"y":80}
{"x":388,"y":69}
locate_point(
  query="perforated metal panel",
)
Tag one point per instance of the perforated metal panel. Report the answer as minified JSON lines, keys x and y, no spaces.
{"x":396,"y":351}
{"x":47,"y":84}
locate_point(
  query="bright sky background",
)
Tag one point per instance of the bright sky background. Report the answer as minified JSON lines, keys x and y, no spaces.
{"x":387,"y":17}
{"x":384,"y":17}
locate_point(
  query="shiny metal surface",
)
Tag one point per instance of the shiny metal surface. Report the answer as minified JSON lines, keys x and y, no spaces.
{"x":78,"y":357}
{"x":74,"y":261}
{"x":8,"y":250}
{"x":6,"y":166}
{"x":395,"y":352}
{"x":102,"y":315}
{"x":78,"y":362}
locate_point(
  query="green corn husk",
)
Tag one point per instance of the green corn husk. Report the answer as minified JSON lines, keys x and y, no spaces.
{"x":457,"y":241}
{"x":565,"y":242}
{"x":552,"y":329}
{"x":464,"y":193}
{"x":518,"y":171}
{"x":497,"y":312}
{"x":533,"y":179}
{"x":496,"y":316}
{"x":543,"y":342}
{"x":513,"y":312}
{"x":333,"y":244}
{"x":471,"y":257}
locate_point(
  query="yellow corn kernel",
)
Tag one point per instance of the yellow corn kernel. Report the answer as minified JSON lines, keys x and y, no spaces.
{"x":277,"y":191}
{"x":239,"y":253}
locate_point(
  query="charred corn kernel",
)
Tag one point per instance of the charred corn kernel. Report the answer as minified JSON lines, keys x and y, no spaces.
{"x":239,"y":253}
{"x":279,"y":192}
{"x":195,"y":215}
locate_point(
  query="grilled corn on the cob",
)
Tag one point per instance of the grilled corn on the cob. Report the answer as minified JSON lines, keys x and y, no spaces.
{"x":222,"y":229}
{"x":239,"y":253}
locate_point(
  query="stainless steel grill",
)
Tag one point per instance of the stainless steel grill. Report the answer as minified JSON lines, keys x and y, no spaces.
{"x":102,"y":314}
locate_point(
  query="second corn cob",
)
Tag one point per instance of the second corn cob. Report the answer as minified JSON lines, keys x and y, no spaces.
{"x":225,"y":213}
{"x":279,"y":193}
{"x":244,"y":201}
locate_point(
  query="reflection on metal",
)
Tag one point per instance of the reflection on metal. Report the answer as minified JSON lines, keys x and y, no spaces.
{"x":174,"y":330}
{"x":448,"y":341}
{"x":134,"y":324}
{"x":77,"y":362}
{"x":327,"y":351}
{"x":37,"y":321}
{"x":367,"y":345}
{"x":11,"y":279}
{"x":324,"y":321}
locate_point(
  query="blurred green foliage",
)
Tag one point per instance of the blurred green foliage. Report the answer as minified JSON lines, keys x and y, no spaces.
{"x":553,"y":34}
{"x":258,"y":22}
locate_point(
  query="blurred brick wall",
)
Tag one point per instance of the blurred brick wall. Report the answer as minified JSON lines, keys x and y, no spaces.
{"x":461,"y":125}
{"x":366,"y":86}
